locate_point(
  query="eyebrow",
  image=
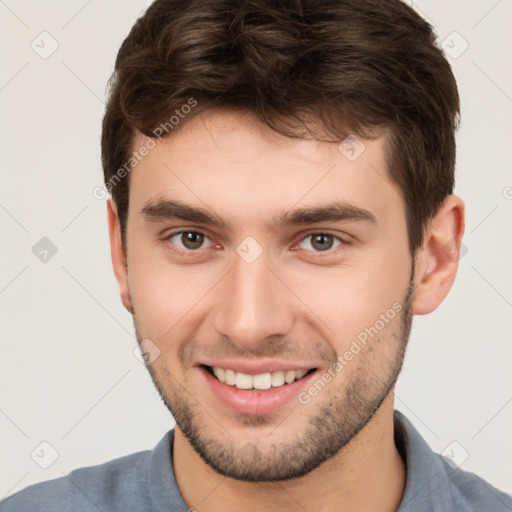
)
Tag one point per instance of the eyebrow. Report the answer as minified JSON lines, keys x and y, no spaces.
{"x":166,"y":209}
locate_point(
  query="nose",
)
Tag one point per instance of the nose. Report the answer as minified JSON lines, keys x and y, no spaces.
{"x":253,"y":304}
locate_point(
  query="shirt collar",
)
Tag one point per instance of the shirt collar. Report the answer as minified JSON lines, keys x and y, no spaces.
{"x":426,"y":482}
{"x":160,"y":478}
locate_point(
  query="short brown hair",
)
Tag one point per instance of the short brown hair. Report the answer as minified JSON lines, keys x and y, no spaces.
{"x":352,"y":65}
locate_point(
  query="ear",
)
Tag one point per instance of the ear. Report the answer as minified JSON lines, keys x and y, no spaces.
{"x":118,"y":257}
{"x":437,"y":260}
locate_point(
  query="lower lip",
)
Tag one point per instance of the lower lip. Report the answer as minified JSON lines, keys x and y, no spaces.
{"x":252,"y":401}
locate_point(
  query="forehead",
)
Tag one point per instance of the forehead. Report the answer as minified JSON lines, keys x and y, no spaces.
{"x":230,"y":161}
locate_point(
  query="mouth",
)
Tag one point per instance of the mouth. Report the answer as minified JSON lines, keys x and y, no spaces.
{"x":254,"y":388}
{"x":260,"y":381}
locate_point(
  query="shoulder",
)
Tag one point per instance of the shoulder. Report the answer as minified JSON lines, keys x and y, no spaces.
{"x":111,"y":486}
{"x":470,"y":492}
{"x":436,"y":483}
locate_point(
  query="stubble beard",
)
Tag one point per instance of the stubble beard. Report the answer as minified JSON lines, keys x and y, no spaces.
{"x":335,"y":424}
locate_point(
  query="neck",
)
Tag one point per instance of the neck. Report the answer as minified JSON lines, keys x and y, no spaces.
{"x":367,"y":474}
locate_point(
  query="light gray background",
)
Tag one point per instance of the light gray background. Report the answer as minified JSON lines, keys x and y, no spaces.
{"x":68,"y":374}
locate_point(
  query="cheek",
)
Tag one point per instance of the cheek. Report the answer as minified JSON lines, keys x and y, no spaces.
{"x":345,"y":301}
{"x":172,"y":300}
{"x":166,"y":296}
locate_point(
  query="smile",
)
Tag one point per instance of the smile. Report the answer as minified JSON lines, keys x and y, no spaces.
{"x":260,"y":381}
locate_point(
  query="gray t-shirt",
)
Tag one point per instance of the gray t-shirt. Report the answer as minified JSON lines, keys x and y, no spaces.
{"x":145,"y":482}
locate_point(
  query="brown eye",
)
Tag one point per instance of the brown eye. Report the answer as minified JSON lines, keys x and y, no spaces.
{"x":321,"y":242}
{"x":192,"y":240}
{"x":187,"y":240}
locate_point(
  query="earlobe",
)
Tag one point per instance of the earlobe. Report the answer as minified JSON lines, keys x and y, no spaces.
{"x":438,"y":259}
{"x":118,"y":256}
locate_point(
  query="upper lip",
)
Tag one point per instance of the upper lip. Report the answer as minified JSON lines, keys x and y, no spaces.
{"x":258,"y":367}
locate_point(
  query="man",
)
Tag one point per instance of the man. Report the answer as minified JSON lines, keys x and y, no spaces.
{"x":281,"y":177}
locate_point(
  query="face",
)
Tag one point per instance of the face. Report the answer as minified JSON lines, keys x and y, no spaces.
{"x":271,"y":277}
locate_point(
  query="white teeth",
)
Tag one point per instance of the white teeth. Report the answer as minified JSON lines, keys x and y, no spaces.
{"x":230,"y":377}
{"x":298,"y":374}
{"x":221,"y":374}
{"x":277,"y":379}
{"x":289,"y":377}
{"x":243,"y":381}
{"x":260,"y":381}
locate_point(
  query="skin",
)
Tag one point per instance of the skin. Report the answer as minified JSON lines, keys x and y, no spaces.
{"x":295,"y":303}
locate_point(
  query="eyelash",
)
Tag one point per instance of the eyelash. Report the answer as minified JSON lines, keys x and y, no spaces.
{"x":328,"y":252}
